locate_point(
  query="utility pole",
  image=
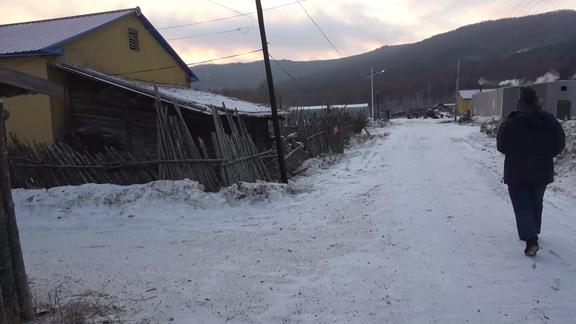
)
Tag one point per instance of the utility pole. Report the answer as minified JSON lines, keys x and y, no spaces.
{"x":429,"y":94}
{"x":457,"y":89}
{"x":372,"y":94}
{"x":272,"y":93}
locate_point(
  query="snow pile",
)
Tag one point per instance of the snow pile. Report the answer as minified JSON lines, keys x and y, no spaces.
{"x":90,"y":198}
{"x":114,"y":196}
{"x":490,"y":127}
{"x":566,"y":161}
{"x":257,"y":192}
{"x":483,"y":119}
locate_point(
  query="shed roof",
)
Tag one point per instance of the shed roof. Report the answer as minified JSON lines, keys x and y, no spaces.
{"x":467,"y":94}
{"x":44,"y":37}
{"x":200,"y":101}
{"x":321,"y":107}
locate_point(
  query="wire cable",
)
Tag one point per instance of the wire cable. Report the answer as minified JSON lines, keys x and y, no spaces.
{"x":225,"y":57}
{"x":293,"y":78}
{"x":529,"y":7}
{"x":188,"y":64}
{"x":233,"y":10}
{"x":543,"y":5}
{"x":319,"y":28}
{"x":511,"y":12}
{"x":239,"y":29}
{"x":560,"y":5}
{"x":228,"y":17}
{"x":502,"y":5}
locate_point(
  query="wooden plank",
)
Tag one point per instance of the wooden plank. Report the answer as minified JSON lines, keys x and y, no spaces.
{"x":30,"y":83}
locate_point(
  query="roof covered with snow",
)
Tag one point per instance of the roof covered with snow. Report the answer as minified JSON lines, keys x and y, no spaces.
{"x":200,"y":101}
{"x":346,"y":106}
{"x":467,"y":94}
{"x":44,"y":37}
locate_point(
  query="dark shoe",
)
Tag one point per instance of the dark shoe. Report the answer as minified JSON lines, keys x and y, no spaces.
{"x":531,"y":248}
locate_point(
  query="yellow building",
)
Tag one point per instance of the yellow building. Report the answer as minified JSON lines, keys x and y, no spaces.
{"x":464,"y":103}
{"x":119,"y":42}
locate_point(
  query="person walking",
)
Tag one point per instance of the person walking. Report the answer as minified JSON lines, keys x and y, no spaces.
{"x":529,"y":138}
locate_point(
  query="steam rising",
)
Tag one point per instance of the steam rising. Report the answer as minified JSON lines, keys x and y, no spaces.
{"x":485,"y":82}
{"x":511,"y":83}
{"x":549,"y":76}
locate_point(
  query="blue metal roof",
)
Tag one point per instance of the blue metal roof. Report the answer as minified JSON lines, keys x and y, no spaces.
{"x":44,"y":37}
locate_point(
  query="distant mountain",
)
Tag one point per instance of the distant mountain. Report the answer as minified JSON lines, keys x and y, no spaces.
{"x":524,"y":48}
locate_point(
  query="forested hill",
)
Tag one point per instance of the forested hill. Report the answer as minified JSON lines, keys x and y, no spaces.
{"x":523,"y":48}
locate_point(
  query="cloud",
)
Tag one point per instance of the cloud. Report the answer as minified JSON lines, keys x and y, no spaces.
{"x":353,"y":26}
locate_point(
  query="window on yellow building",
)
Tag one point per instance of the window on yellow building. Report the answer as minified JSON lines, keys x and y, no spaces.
{"x":133,"y":39}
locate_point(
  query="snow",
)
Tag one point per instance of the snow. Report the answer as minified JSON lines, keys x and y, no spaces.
{"x":207,"y":99}
{"x":350,"y":106}
{"x":189,"y":98}
{"x":566,"y":161}
{"x":467,"y":94}
{"x":410,"y":226}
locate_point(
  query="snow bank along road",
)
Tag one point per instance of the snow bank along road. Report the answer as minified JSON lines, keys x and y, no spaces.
{"x":410,"y":227}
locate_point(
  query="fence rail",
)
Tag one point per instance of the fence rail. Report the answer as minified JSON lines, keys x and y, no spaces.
{"x":180,"y":156}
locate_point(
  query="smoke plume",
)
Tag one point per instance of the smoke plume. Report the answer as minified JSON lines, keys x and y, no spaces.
{"x":548,"y":77}
{"x":511,"y":83}
{"x":485,"y":82}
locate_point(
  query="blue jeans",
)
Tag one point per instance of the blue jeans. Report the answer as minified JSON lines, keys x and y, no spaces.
{"x":527,"y":204}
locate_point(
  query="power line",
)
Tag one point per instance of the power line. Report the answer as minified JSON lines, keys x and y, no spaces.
{"x":287,"y":73}
{"x":228,"y":17}
{"x":560,"y":5}
{"x":236,"y":11}
{"x":543,"y":4}
{"x":233,"y":10}
{"x":225,"y":57}
{"x":529,"y":7}
{"x":188,"y":64}
{"x":239,"y":29}
{"x":319,"y":28}
{"x":502,"y":5}
{"x":510,"y":13}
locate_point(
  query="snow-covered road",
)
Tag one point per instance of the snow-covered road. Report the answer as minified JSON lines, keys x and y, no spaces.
{"x":410,"y":227}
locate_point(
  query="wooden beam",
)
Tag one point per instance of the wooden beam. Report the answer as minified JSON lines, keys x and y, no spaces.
{"x":14,"y":83}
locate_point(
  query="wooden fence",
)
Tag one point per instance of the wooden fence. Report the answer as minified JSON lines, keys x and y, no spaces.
{"x":180,"y":156}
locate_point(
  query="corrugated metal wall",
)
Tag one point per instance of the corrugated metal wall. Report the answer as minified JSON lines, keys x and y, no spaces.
{"x":501,"y":102}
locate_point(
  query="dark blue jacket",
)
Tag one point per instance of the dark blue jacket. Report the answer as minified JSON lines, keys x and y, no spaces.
{"x":530,"y":138}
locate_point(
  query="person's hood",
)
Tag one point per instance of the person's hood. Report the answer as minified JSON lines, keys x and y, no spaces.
{"x":530,"y":115}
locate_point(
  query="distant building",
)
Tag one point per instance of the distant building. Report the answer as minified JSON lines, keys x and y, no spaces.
{"x":555,"y":97}
{"x":464,"y":102}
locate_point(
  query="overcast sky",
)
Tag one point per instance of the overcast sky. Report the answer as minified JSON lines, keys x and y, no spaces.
{"x":353,"y":26}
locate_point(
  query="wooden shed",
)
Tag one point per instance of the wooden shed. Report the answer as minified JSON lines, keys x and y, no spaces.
{"x":124,"y":108}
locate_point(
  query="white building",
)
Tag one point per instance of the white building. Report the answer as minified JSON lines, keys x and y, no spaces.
{"x":555,"y":97}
